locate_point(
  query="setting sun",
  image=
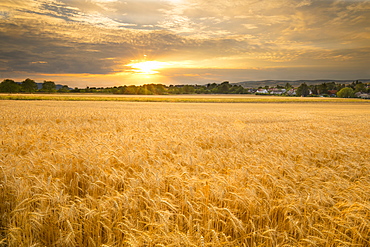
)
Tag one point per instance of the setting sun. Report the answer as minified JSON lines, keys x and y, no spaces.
{"x":147,"y":67}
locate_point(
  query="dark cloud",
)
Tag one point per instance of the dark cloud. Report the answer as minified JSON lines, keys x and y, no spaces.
{"x":200,"y":76}
{"x":238,"y":38}
{"x":59,"y":55}
{"x":55,"y":10}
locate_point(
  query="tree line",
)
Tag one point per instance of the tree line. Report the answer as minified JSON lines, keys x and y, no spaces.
{"x":30,"y":86}
{"x":160,"y":89}
{"x":210,"y":88}
{"x":333,"y":89}
{"x":324,"y":89}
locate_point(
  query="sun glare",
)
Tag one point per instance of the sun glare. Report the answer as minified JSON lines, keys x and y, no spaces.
{"x":147,"y":67}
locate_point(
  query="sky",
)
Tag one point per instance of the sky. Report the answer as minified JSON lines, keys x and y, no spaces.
{"x":102,"y":43}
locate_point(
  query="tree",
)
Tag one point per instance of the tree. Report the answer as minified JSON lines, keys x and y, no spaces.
{"x":75,"y":90}
{"x":322,"y":88}
{"x":29,"y":86}
{"x":156,"y":88}
{"x":200,"y":90}
{"x":360,"y":87}
{"x":64,"y":89}
{"x":211,"y":86}
{"x":223,"y":87}
{"x":303,"y":90}
{"x":340,"y":86}
{"x":144,"y":90}
{"x":132,"y":89}
{"x":188,"y":89}
{"x":313,"y":89}
{"x":346,"y":92}
{"x":48,"y":86}
{"x":9,"y":86}
{"x":331,"y":86}
{"x":237,"y":89}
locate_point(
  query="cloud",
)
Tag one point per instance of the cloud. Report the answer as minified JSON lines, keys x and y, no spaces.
{"x":101,"y":37}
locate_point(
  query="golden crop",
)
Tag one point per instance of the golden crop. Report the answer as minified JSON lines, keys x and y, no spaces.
{"x":184,"y":174}
{"x":186,"y":98}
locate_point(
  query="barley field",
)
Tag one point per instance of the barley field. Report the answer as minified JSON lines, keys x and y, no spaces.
{"x":186,"y":98}
{"x":184,"y":174}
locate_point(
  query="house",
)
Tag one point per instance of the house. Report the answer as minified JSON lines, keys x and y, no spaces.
{"x":358,"y":94}
{"x":262,"y":91}
{"x":277,"y":91}
{"x":292,"y":92}
{"x":332,"y":92}
{"x":365,"y":96}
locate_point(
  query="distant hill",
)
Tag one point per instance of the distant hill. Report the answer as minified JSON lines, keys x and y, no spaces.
{"x":256,"y":84}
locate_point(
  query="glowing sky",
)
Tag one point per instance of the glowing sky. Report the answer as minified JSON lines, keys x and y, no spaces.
{"x":112,"y":42}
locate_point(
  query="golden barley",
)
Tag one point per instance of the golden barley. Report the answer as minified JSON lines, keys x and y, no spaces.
{"x":184,"y":174}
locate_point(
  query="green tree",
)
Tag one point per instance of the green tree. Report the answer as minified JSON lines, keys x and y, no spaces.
{"x":174,"y":90}
{"x":237,"y":89}
{"x":156,"y":88}
{"x":188,"y":89}
{"x":132,"y":89}
{"x":223,"y":87}
{"x":29,"y":86}
{"x":340,"y":86}
{"x":64,"y":89}
{"x":9,"y":86}
{"x":331,"y":86}
{"x":147,"y":89}
{"x":211,"y":86}
{"x":322,"y":88}
{"x":346,"y":92}
{"x":360,"y":87}
{"x":200,"y":90}
{"x":288,"y":86}
{"x":313,"y":89}
{"x":48,"y":87}
{"x":119,"y":90}
{"x":303,"y":90}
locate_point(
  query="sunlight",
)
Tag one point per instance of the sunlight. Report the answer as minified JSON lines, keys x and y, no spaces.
{"x":147,"y":67}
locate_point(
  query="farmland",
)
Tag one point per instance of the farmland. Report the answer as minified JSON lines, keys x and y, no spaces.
{"x":187,"y":98}
{"x":115,"y":173}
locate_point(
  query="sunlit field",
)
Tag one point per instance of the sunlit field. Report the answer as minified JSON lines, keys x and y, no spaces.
{"x":184,"y":174}
{"x":186,"y":98}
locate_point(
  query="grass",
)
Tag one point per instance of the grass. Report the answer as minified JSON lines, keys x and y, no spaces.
{"x":156,"y":174}
{"x":179,"y":98}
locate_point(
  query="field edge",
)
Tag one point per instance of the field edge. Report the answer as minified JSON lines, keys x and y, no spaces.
{"x":182,"y":98}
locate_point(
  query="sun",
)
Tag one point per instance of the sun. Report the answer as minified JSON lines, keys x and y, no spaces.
{"x":147,"y":67}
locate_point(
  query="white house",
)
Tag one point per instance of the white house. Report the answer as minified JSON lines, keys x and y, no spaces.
{"x":277,"y":91}
{"x":262,"y":90}
{"x":292,"y":92}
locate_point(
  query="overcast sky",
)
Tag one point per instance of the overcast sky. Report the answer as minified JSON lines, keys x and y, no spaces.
{"x":112,"y":42}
